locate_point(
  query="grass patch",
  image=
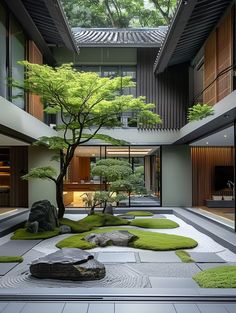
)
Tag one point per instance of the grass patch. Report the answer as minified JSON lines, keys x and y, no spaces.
{"x":139,"y":213}
{"x":218,"y":277}
{"x":147,"y":240}
{"x":154,"y":223}
{"x":23,"y":234}
{"x":184,"y":256}
{"x":11,"y":259}
{"x":76,"y":226}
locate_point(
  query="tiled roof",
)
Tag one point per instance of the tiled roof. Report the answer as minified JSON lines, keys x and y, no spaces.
{"x":127,"y":37}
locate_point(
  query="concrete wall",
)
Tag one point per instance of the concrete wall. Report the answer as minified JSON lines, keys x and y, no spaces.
{"x":41,"y":189}
{"x":176,"y":176}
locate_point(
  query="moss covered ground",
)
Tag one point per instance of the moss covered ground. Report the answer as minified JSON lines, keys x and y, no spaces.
{"x":146,"y":240}
{"x":23,"y":234}
{"x":139,"y":213}
{"x":154,"y":223}
{"x":11,"y":259}
{"x":217,"y":277}
{"x":184,"y":256}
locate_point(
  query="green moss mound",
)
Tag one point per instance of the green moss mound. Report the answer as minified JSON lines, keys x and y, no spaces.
{"x":76,"y":226}
{"x":11,"y":259}
{"x":139,"y":213}
{"x":184,"y":256}
{"x":155,"y":223}
{"x":218,"y":277}
{"x":147,"y":240}
{"x":23,"y":234}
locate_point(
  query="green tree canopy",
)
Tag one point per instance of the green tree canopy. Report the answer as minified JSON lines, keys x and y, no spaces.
{"x":84,"y":103}
{"x":119,"y":13}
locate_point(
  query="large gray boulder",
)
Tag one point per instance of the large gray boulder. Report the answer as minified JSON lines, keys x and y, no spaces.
{"x":116,"y":238}
{"x":68,"y":264}
{"x":42,"y":217}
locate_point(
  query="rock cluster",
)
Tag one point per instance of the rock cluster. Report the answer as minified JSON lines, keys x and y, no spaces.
{"x":68,"y":264}
{"x":42,"y":217}
{"x":116,"y":238}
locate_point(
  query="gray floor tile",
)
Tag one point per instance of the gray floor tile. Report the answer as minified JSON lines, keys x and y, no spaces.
{"x":183,"y":270}
{"x":231,"y":307}
{"x":206,"y":266}
{"x":206,"y":257}
{"x":43,"y":307}
{"x":169,"y":282}
{"x":6,"y":267}
{"x":15,"y":307}
{"x":3,"y":305}
{"x":212,"y":308}
{"x":17,"y":247}
{"x":159,"y":256}
{"x":186,"y":308}
{"x":116,"y":257}
{"x":144,"y":307}
{"x":76,"y":308}
{"x":101,"y":308}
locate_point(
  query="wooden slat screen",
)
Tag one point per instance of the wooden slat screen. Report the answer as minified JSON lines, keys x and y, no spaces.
{"x":204,"y":161}
{"x":35,"y":106}
{"x":210,"y":70}
{"x":224,"y":56}
{"x":218,"y":56}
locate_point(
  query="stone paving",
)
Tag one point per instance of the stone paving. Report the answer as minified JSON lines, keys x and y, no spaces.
{"x":126,"y":267}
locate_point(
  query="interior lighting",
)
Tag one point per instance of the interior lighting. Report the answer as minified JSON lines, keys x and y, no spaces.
{"x":207,"y":143}
{"x":225,"y":136}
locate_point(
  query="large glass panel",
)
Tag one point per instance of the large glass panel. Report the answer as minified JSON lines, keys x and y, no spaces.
{"x":18,"y":54}
{"x":213,"y":160}
{"x":3,"y":36}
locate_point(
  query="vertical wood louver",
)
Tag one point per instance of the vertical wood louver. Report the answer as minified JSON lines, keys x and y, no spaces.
{"x":219,"y":57}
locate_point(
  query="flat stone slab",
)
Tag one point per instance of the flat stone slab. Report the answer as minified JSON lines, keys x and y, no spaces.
{"x":6,"y":267}
{"x":159,"y":257}
{"x":17,"y":247}
{"x":116,"y":257}
{"x":170,"y":282}
{"x":206,"y":257}
{"x":206,"y":266}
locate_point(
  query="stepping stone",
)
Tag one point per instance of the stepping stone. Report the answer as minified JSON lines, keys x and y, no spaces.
{"x":6,"y":267}
{"x":206,"y":266}
{"x":159,"y":257}
{"x":144,"y":307}
{"x":206,"y":257}
{"x":170,"y":282}
{"x":17,"y":247}
{"x":116,"y":257}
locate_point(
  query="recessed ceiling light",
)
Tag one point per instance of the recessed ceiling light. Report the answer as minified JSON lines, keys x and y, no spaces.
{"x":225,"y":136}
{"x":207,"y":143}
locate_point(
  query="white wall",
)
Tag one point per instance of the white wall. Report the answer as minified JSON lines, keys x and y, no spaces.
{"x":176,"y":176}
{"x":41,"y":189}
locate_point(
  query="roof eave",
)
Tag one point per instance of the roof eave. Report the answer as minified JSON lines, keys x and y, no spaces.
{"x":183,"y":13}
{"x":117,"y":45}
{"x":57,"y":12}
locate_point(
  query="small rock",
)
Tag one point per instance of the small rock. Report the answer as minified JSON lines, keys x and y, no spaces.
{"x":117,"y":238}
{"x":68,"y":264}
{"x":126,"y":217}
{"x":33,"y":227}
{"x":108,"y":209}
{"x":65,"y":229}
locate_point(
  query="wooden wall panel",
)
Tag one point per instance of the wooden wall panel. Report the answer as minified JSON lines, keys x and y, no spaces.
{"x":19,"y":167}
{"x":35,"y":106}
{"x":79,"y":169}
{"x":218,"y":56}
{"x":204,"y":161}
{"x":210,"y":71}
{"x":168,"y":91}
{"x":224,"y":56}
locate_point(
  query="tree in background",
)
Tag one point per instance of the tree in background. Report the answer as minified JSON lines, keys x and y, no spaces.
{"x":84,"y":104}
{"x":119,"y":180}
{"x":119,"y":13}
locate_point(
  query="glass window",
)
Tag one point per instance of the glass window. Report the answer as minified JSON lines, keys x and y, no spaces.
{"x":3,"y":70}
{"x":18,"y":54}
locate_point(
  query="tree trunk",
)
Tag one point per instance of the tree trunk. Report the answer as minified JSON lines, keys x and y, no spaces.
{"x":59,"y":198}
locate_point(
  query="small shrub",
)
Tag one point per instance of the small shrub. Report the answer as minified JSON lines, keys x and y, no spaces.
{"x":199,"y":111}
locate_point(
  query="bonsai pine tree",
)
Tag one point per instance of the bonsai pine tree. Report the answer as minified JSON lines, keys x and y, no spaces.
{"x":119,"y":181}
{"x":84,"y":103}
